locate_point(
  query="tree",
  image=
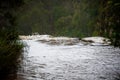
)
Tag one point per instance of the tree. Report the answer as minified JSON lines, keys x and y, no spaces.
{"x":109,"y":20}
{"x":9,"y":46}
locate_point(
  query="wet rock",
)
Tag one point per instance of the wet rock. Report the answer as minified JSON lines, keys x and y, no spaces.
{"x":48,"y":39}
{"x":96,"y":41}
{"x":60,"y":41}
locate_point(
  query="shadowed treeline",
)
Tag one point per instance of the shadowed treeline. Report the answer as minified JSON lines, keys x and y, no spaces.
{"x":10,"y":48}
{"x":76,"y":18}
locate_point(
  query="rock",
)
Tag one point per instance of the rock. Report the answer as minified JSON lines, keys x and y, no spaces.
{"x":59,"y":40}
{"x":48,"y":39}
{"x":96,"y":41}
{"x":98,"y":44}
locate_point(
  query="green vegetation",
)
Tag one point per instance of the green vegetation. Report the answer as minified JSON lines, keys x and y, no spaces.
{"x":65,"y":17}
{"x":78,"y":18}
{"x":10,"y":47}
{"x":109,"y":20}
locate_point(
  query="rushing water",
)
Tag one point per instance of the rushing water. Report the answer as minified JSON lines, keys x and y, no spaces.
{"x":75,"y":62}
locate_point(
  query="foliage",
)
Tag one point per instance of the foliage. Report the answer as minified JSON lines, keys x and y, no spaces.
{"x":109,"y":20}
{"x":78,"y":18}
{"x":64,"y":17}
{"x":10,"y":48}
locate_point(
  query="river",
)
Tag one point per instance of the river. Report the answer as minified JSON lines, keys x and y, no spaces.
{"x":70,"y":62}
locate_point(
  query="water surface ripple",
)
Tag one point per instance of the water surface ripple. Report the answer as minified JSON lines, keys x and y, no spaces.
{"x":75,"y":62}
